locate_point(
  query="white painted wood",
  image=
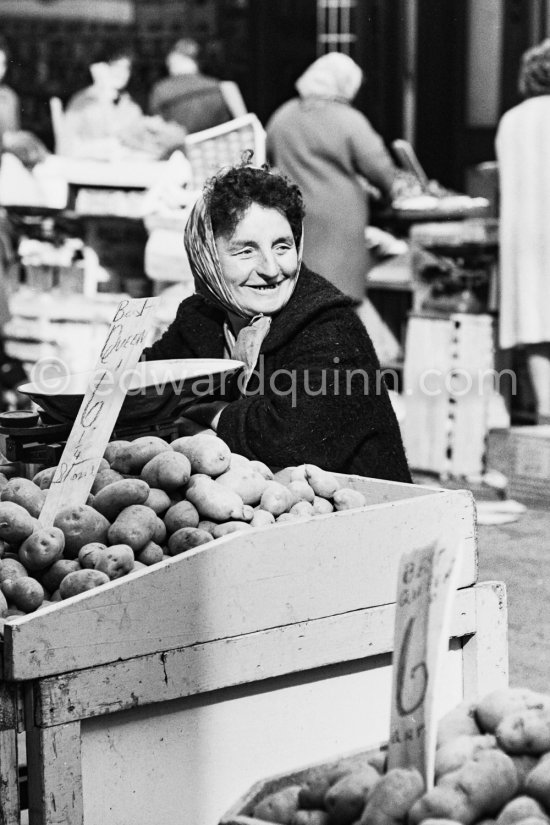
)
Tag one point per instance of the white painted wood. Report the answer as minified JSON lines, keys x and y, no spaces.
{"x":198,"y":756}
{"x":161,"y":677}
{"x":486,"y":652}
{"x":243,"y":583}
{"x":55,"y":775}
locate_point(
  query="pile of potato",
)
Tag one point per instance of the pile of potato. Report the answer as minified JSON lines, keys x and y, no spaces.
{"x":150,"y":500}
{"x":492,"y":766}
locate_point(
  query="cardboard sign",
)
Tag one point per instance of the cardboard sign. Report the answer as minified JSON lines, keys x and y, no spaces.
{"x":100,"y":407}
{"x":426,"y":585}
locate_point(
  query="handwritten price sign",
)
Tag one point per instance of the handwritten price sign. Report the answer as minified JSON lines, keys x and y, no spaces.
{"x":100,"y":407}
{"x":426,"y":583}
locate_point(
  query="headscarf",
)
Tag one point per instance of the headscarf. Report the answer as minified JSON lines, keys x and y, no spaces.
{"x":210,"y":283}
{"x":334,"y":75}
{"x":534,"y":75}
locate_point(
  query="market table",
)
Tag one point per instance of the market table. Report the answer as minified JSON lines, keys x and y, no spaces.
{"x":176,"y":688}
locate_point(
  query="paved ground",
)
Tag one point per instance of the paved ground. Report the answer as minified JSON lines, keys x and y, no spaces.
{"x":519,"y":555}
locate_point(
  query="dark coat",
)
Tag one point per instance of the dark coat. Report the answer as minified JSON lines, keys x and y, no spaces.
{"x":316,"y":409}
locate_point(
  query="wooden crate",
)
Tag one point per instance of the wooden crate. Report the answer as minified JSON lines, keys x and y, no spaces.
{"x":177,"y":688}
{"x":528,"y":472}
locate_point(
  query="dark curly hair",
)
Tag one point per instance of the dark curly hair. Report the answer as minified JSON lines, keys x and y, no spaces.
{"x":534,"y":74}
{"x":228,"y":195}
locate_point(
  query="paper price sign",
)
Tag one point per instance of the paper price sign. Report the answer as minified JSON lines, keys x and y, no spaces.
{"x":100,"y":407}
{"x":426,"y":585}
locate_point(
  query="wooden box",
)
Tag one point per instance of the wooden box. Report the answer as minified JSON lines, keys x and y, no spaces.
{"x":529,"y":464}
{"x":176,"y":688}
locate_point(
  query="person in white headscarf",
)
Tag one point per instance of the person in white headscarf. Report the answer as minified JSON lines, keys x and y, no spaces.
{"x":326,"y":147}
{"x":523,"y":154}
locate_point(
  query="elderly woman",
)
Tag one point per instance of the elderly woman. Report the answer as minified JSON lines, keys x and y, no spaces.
{"x":325,"y":146}
{"x":522,"y":142}
{"x":311,"y":389}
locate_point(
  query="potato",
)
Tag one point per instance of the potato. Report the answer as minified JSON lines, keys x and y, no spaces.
{"x":537,"y":782}
{"x":135,"y":526}
{"x":158,"y":500}
{"x":90,"y":553}
{"x":42,"y":548}
{"x":318,"y":781}
{"x":159,"y":536}
{"x":289,"y":517}
{"x":3,"y":604}
{"x":181,"y":514}
{"x":324,"y":484}
{"x":478,"y":789}
{"x":284,"y":476}
{"x":24,"y":492}
{"x":54,"y":575}
{"x":186,"y":538}
{"x":213,"y":501}
{"x":16,"y":524}
{"x":168,"y":470}
{"x":279,"y":806}
{"x":262,"y":469}
{"x":524,"y":764}
{"x":111,"y":500}
{"x":11,"y":569}
{"x":346,"y":798}
{"x":103,"y":479}
{"x":313,"y":817}
{"x":26,"y":593}
{"x":206,"y":524}
{"x":460,"y":720}
{"x":301,"y":491}
{"x":238,"y":461}
{"x":112,"y":449}
{"x":519,"y":809}
{"x":455,"y":752}
{"x":493,"y":707}
{"x":132,"y":458}
{"x":262,"y":518}
{"x":116,"y":561}
{"x":302,"y":508}
{"x":80,"y":581}
{"x":229,"y":527}
{"x":151,"y":554}
{"x":392,"y":796}
{"x":81,"y":524}
{"x":43,"y":478}
{"x":321,"y":506}
{"x":347,"y":499}
{"x":247,"y":483}
{"x":276,"y":498}
{"x":525,"y":731}
{"x":208,"y":454}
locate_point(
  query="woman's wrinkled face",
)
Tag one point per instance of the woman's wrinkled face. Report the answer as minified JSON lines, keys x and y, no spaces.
{"x":259,"y":260}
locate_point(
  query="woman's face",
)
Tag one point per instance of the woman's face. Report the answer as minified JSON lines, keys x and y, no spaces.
{"x":259,"y":260}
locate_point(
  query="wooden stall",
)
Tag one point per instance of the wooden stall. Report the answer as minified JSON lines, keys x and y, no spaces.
{"x":162,"y":696}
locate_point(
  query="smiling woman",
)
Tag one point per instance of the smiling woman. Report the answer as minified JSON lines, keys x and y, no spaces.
{"x":311,"y":390}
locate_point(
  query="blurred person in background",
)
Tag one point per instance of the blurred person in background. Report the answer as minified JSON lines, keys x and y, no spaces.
{"x":523,"y":155}
{"x":190,"y":98}
{"x":97,"y":118}
{"x":9,"y":102}
{"x":326,"y":147}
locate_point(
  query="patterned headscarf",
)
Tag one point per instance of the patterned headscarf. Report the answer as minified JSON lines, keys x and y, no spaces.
{"x":334,"y":75}
{"x":210,"y":283}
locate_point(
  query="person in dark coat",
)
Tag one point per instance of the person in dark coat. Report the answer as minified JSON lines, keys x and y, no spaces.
{"x":311,"y":389}
{"x":190,"y":98}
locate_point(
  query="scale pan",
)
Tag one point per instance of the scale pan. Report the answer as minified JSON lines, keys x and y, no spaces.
{"x":154,"y":389}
